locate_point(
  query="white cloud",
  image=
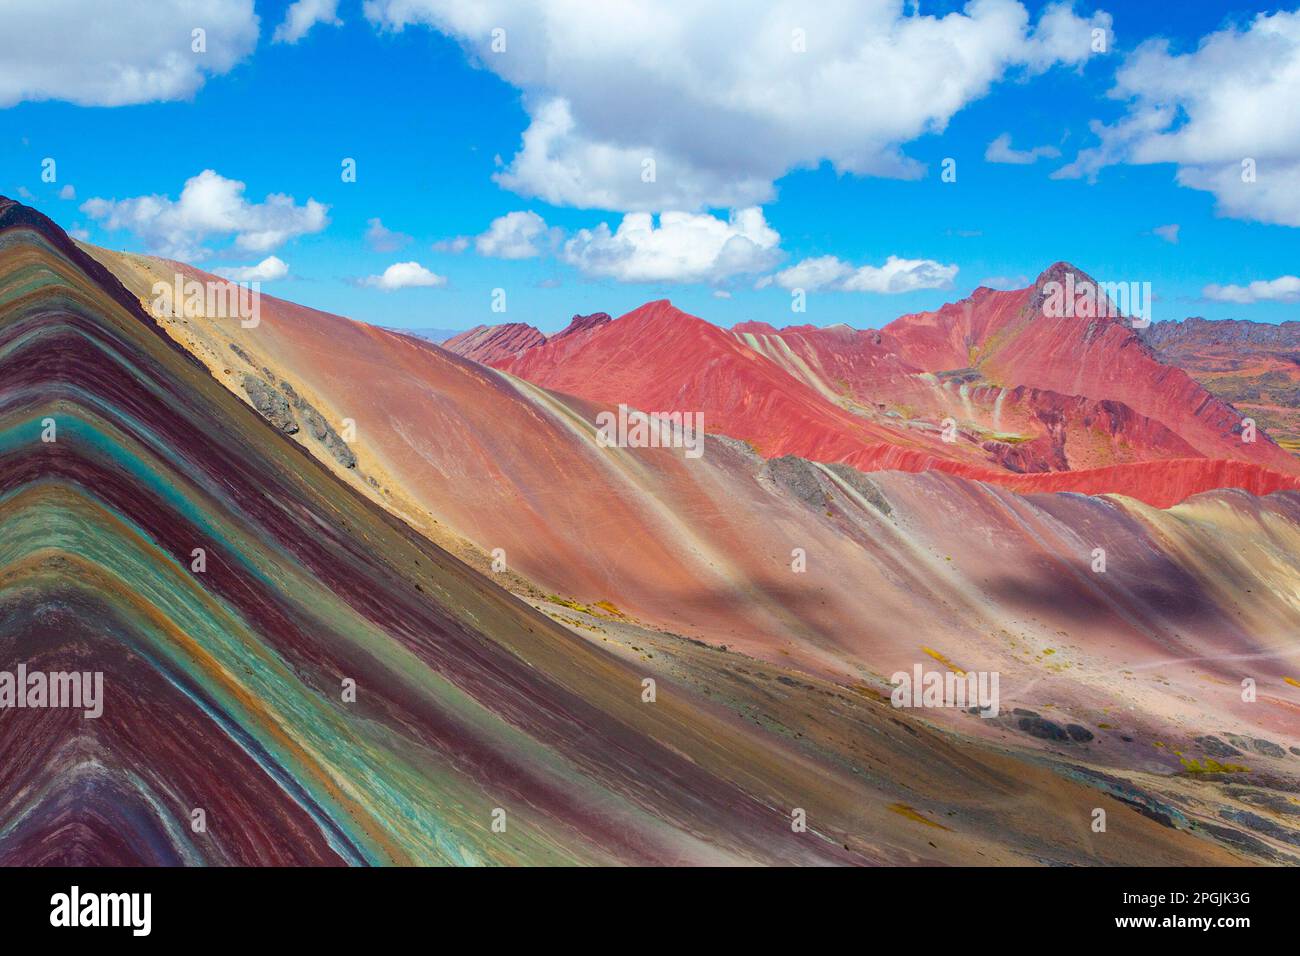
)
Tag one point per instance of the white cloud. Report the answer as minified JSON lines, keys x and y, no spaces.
{"x":1061,"y":36}
{"x":809,"y":274}
{"x":683,"y":247}
{"x":140,"y":51}
{"x":209,"y":205}
{"x":302,"y":15}
{"x":721,"y":294}
{"x":382,"y":239}
{"x":895,"y":276}
{"x":720,"y":96}
{"x":268,"y":270}
{"x":1281,"y":289}
{"x":1000,"y":151}
{"x":1230,"y":100}
{"x":1273,"y":195}
{"x":404,"y":275}
{"x":560,"y":165}
{"x":516,"y":235}
{"x":68,"y":192}
{"x":1168,"y":233}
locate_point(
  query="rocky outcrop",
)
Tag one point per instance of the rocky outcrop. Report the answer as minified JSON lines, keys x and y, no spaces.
{"x":270,"y":404}
{"x":320,"y":429}
{"x":582,"y":323}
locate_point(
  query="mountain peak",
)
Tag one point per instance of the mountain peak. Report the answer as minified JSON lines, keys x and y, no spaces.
{"x":662,"y":311}
{"x":14,"y":213}
{"x":1074,"y":292}
{"x":1059,"y":271}
{"x":581,"y":323}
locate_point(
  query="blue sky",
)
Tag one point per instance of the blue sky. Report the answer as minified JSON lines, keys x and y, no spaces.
{"x":429,"y":118}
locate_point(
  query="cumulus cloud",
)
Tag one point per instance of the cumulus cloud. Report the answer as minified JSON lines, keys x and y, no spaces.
{"x":141,"y":51}
{"x":302,"y":15}
{"x":895,"y":276}
{"x":612,"y":88}
{"x":516,"y":235}
{"x":382,"y":239}
{"x":1224,"y":113}
{"x":1268,"y":192}
{"x":683,"y":247}
{"x":1061,"y":36}
{"x":1281,"y":289}
{"x":268,"y":270}
{"x":68,"y":192}
{"x":209,"y":205}
{"x":404,"y":275}
{"x":564,"y":167}
{"x":1000,"y":151}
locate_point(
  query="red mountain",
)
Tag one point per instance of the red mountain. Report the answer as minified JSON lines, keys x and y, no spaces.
{"x":658,"y":358}
{"x":1008,"y":339}
{"x":492,"y":343}
{"x":1028,"y":393}
{"x":495,"y":343}
{"x":1021,"y":428}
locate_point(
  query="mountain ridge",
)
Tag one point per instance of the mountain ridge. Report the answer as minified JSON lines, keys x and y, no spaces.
{"x":878,"y":400}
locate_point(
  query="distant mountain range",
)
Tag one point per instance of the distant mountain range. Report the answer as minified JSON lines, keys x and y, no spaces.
{"x":1252,"y":365}
{"x":1034,"y":402}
